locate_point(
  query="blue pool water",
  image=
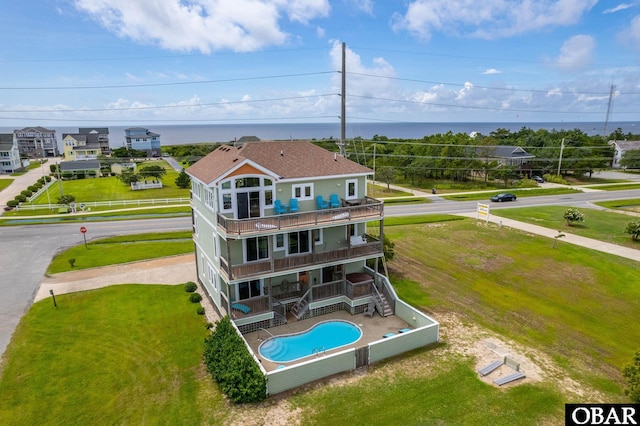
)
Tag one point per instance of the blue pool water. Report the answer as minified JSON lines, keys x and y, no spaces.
{"x":321,"y":337}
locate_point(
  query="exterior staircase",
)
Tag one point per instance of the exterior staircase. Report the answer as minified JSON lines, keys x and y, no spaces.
{"x":301,"y":306}
{"x":382,"y":306}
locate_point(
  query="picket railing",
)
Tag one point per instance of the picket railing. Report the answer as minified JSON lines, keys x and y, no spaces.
{"x":115,"y":203}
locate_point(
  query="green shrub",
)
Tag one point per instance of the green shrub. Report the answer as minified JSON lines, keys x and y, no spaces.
{"x":12,"y":203}
{"x":47,"y":178}
{"x":72,"y":262}
{"x":33,"y":188}
{"x":200,"y":310}
{"x":195,"y":297}
{"x":554,"y":179}
{"x":26,"y":193}
{"x":232,"y":366}
{"x":208,"y":325}
{"x":633,"y":228}
{"x":190,"y":287}
{"x":573,"y":215}
{"x":20,"y":198}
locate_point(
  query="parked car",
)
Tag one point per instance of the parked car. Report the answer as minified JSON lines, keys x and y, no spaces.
{"x":505,"y":196}
{"x":538,"y":179}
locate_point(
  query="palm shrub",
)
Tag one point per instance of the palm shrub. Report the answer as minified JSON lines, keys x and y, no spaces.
{"x":633,"y":228}
{"x":232,"y":366}
{"x":573,"y":215}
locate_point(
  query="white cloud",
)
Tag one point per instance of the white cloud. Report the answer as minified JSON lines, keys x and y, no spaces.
{"x":204,"y":25}
{"x":364,"y":5}
{"x":632,"y":34}
{"x":488,"y":19}
{"x":491,"y":71}
{"x":576,"y":52}
{"x":361,"y":78}
{"x":618,"y":8}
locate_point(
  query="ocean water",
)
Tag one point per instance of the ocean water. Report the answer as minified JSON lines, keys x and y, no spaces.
{"x":197,"y":133}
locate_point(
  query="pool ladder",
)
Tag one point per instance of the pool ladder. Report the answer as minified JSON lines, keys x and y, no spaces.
{"x":317,"y":351}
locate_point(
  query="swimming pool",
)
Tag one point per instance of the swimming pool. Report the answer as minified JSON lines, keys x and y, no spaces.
{"x":319,"y":338}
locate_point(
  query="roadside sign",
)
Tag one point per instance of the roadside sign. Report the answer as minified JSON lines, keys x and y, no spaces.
{"x":83,"y":229}
{"x":482,"y":212}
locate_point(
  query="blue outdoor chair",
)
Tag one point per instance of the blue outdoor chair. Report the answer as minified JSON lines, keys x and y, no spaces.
{"x":293,"y":205}
{"x":334,"y":201}
{"x":321,"y":203}
{"x":279,"y":208}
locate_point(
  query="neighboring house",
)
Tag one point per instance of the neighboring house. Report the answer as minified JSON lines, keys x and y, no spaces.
{"x":505,"y":155}
{"x":80,"y":146}
{"x":9,"y":154}
{"x":88,"y":168}
{"x":620,"y":147}
{"x":37,"y":142}
{"x":103,"y":137}
{"x":268,"y":252}
{"x":118,"y":168}
{"x":142,"y":139}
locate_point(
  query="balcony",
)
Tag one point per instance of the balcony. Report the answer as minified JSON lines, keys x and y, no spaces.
{"x":352,"y":210}
{"x":370,"y":248}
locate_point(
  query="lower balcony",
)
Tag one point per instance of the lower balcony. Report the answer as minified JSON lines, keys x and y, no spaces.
{"x":370,"y":247}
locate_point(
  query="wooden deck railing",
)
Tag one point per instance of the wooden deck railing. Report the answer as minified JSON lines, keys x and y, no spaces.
{"x":247,"y":270}
{"x":369,"y":208}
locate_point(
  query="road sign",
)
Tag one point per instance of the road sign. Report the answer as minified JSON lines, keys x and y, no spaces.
{"x":83,"y":229}
{"x":482,"y":212}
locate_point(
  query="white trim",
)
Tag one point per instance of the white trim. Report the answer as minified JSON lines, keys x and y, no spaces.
{"x":346,"y":189}
{"x":302,"y":188}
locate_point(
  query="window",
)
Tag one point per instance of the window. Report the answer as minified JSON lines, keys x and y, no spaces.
{"x":318,"y":236}
{"x":226,"y":202}
{"x":299,"y":242}
{"x":303,"y":192}
{"x":278,"y":242}
{"x":257,"y":248}
{"x":352,"y":189}
{"x":249,"y":289}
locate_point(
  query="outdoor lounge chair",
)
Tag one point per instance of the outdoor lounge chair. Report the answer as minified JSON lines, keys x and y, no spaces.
{"x":321,"y":204}
{"x":293,"y":206}
{"x":389,"y":335}
{"x":370,"y":309}
{"x":334,"y":201}
{"x":279,"y":208}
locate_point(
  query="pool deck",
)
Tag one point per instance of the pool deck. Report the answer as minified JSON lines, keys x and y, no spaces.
{"x":373,"y":328}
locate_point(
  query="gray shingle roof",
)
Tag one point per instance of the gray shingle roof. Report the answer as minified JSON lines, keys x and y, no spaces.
{"x":71,"y":166}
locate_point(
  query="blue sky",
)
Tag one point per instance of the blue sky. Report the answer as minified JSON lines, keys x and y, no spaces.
{"x":143,"y":62}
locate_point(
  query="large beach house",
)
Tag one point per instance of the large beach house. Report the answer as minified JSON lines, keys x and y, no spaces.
{"x":286,"y":237}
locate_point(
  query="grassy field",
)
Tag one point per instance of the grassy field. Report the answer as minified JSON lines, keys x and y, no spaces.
{"x":616,"y":187}
{"x":377,"y":191}
{"x":4,"y":183}
{"x":120,"y":355}
{"x":110,"y":188}
{"x":130,"y":248}
{"x":86,"y":215}
{"x":632,"y":205}
{"x":600,"y":225}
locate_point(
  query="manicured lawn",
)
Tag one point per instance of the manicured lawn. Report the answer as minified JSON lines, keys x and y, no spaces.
{"x":616,"y":187}
{"x":110,"y":251}
{"x":4,"y":183}
{"x":128,"y":354}
{"x":110,"y":188}
{"x":128,"y":211}
{"x":598,"y":224}
{"x":377,"y":191}
{"x":627,"y":205}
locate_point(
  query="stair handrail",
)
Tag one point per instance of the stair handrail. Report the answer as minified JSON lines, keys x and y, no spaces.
{"x":377,"y":298}
{"x":295,"y":308}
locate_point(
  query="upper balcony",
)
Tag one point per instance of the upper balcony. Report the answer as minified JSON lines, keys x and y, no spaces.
{"x":361,"y":209}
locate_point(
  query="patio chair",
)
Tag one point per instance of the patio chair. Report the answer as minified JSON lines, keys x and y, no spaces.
{"x":370,"y":309}
{"x":321,"y":203}
{"x":279,"y":208}
{"x":334,"y":201}
{"x":293,"y":206}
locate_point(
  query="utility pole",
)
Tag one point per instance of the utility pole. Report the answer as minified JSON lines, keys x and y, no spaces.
{"x":609,"y":108}
{"x":343,"y":104}
{"x":560,"y":160}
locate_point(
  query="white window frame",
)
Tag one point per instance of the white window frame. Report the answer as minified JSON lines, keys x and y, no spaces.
{"x":276,"y":247}
{"x":320,"y":233}
{"x":346,"y":189}
{"x":302,"y":187}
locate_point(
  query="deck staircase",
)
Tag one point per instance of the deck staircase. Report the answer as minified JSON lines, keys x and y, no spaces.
{"x":301,"y":306}
{"x":382,"y":306}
